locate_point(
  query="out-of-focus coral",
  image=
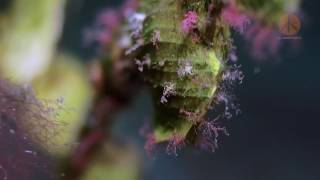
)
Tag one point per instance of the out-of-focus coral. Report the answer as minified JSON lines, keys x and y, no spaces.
{"x":66,"y":85}
{"x":267,"y":11}
{"x":114,"y":161}
{"x":262,"y":31}
{"x":234,"y":17}
{"x":29,"y":32}
{"x":26,"y":126}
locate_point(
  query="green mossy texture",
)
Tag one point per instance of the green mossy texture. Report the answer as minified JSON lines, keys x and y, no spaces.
{"x":194,"y":93}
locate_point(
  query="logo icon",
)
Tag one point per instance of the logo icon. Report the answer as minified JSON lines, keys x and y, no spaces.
{"x":289,"y":25}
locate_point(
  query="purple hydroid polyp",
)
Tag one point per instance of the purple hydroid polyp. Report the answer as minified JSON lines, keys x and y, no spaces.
{"x":189,"y":22}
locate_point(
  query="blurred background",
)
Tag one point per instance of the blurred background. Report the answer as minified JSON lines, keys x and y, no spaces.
{"x":275,"y":137}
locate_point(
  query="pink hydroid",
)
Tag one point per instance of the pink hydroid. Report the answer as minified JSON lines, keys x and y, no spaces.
{"x":263,"y":40}
{"x":107,"y":23}
{"x":189,"y":22}
{"x":109,"y":19}
{"x":150,"y":144}
{"x":234,"y":17}
{"x":175,"y":143}
{"x":129,"y":7}
{"x":208,"y":135}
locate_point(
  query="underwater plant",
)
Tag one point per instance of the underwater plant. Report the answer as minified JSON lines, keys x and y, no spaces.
{"x":184,"y":51}
{"x":181,"y":50}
